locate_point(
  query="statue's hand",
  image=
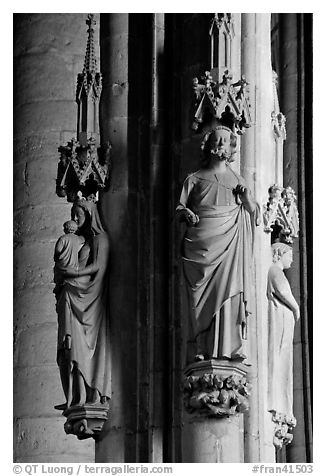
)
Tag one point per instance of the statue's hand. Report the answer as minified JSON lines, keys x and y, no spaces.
{"x":190,"y":217}
{"x":243,"y":195}
{"x":243,"y":192}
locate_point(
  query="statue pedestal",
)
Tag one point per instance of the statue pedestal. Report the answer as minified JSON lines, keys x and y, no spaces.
{"x":86,"y":421}
{"x":215,"y":397}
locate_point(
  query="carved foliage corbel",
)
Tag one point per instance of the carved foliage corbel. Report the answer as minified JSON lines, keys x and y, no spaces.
{"x":213,"y":395}
{"x":216,"y":389}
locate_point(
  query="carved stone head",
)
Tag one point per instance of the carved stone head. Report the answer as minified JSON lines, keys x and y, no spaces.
{"x":70,"y":226}
{"x":275,"y":192}
{"x":219,"y":144}
{"x":78,"y":214}
{"x":85,"y":214}
{"x":282,"y":252}
{"x":289,"y":196}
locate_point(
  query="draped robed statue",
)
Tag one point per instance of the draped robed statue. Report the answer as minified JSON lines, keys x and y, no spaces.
{"x":220,"y":213}
{"x":80,"y":274}
{"x":283,"y":312}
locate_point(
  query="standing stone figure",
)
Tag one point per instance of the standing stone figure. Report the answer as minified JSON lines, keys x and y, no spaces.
{"x":283,"y":311}
{"x":66,"y":253}
{"x":218,"y":209}
{"x":82,"y":353}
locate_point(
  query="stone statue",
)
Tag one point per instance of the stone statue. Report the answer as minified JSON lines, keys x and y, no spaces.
{"x":283,"y":312}
{"x":66,"y":253}
{"x":218,"y":210}
{"x":81,"y":258}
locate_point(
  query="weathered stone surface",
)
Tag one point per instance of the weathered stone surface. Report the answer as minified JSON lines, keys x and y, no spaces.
{"x":117,"y":23}
{"x":30,"y":188}
{"x":44,"y":440}
{"x":34,"y":306}
{"x":42,"y":80}
{"x":33,"y":264}
{"x":36,"y":391}
{"x":212,"y":441}
{"x":119,"y":72}
{"x":37,"y":222}
{"x":40,"y":145}
{"x":49,"y":32}
{"x":49,"y":116}
{"x":33,"y":438}
{"x":118,"y":94}
{"x":115,"y":452}
{"x":36,"y":346}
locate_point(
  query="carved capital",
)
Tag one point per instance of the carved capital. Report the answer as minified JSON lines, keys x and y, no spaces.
{"x":216,"y":388}
{"x":284,"y":425}
{"x":86,"y":421}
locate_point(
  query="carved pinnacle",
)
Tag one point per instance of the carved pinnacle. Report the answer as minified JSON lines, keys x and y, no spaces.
{"x":90,"y":59}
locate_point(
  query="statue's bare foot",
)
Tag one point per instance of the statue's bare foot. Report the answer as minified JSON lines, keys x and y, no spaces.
{"x":199,"y":358}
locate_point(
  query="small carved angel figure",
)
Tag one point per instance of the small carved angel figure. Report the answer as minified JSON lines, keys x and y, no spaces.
{"x":275,"y":193}
{"x":283,"y":312}
{"x":289,"y":198}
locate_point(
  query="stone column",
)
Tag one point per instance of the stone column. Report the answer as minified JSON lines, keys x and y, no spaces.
{"x":296,"y":104}
{"x":135,"y":211}
{"x":158,"y":342}
{"x":258,"y":168}
{"x":48,"y":53}
{"x":118,"y":443}
{"x":215,"y":396}
{"x":212,"y":423}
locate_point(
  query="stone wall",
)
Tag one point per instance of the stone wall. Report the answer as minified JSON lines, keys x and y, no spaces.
{"x":48,"y":53}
